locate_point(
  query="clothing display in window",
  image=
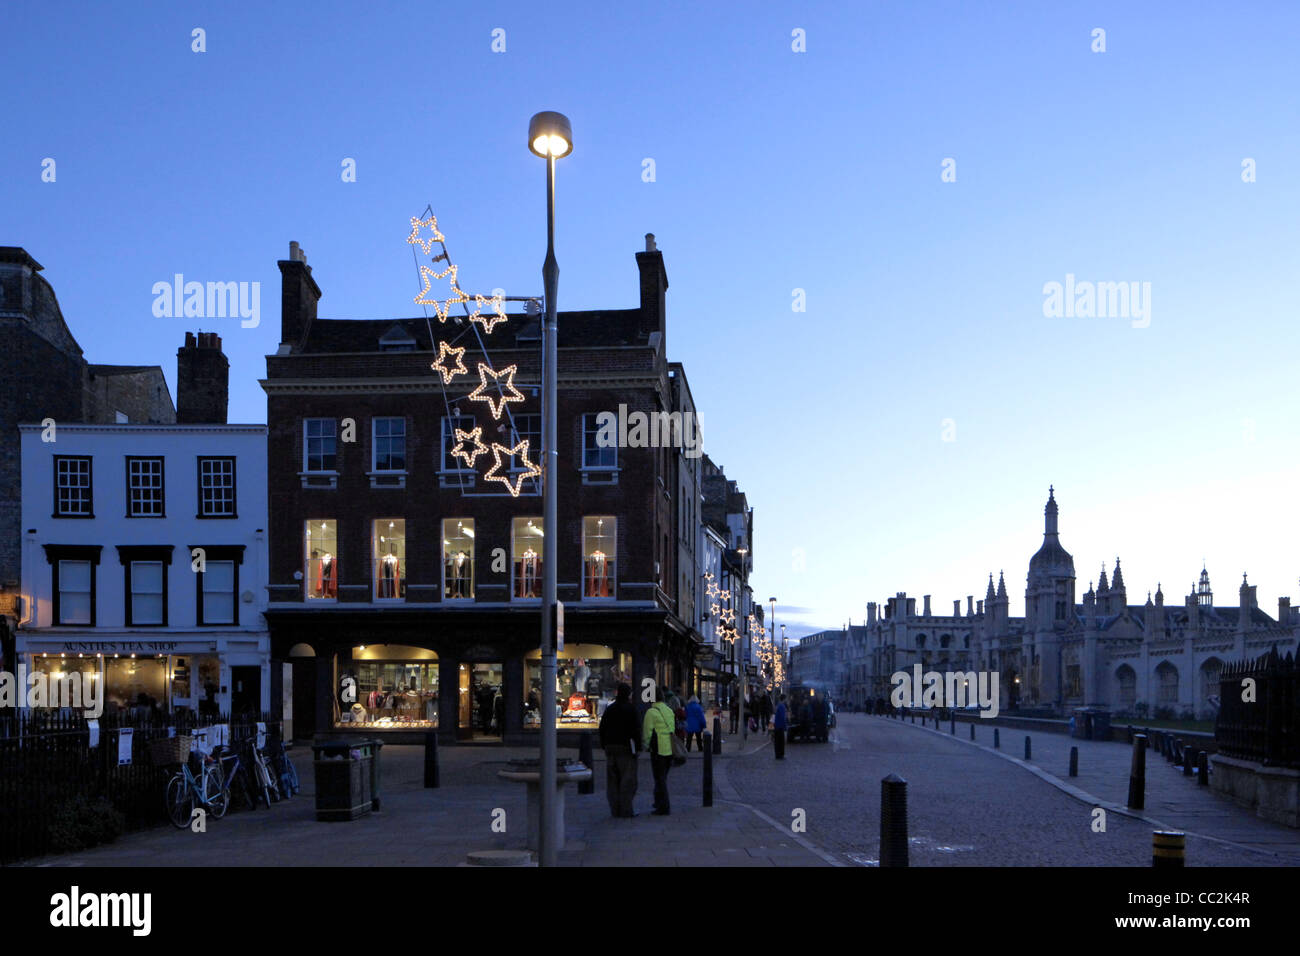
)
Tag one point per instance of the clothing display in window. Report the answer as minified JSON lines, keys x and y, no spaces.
{"x":326,"y":585}
{"x":527,"y":577}
{"x":458,"y":570}
{"x":598,"y":581}
{"x":389,"y":575}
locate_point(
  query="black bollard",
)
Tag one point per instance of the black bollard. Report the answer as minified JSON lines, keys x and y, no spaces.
{"x":972,"y":731}
{"x":708,"y":769}
{"x":893,"y":821}
{"x":431,"y":760}
{"x":913,"y":716}
{"x":717,"y":735}
{"x":1170,"y":748}
{"x":1189,"y":761}
{"x":997,"y":742}
{"x":1074,"y":761}
{"x":1203,"y":769}
{"x":585,"y":756}
{"x":952,"y":723}
{"x":1167,"y":848}
{"x":1137,"y":774}
{"x":1028,"y":752}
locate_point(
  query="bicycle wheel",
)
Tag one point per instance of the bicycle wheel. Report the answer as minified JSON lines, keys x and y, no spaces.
{"x":179,"y":801}
{"x":263,"y":776}
{"x":216,"y":795}
{"x":292,"y":774}
{"x":242,"y":787}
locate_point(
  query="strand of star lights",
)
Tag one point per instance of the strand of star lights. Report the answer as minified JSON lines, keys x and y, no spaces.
{"x":488,"y":312}
{"x":530,"y":470}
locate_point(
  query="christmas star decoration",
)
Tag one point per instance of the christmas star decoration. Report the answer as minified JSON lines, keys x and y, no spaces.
{"x":439,"y":306}
{"x":470,"y":456}
{"x":712,"y":590}
{"x":726,"y":595}
{"x":530,"y":470}
{"x":715,"y":608}
{"x":496,"y":405}
{"x":439,"y":366}
{"x":414,"y":238}
{"x":729,"y":616}
{"x":489,"y":322}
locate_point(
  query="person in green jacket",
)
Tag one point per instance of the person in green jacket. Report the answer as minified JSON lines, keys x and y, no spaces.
{"x":660,"y":724}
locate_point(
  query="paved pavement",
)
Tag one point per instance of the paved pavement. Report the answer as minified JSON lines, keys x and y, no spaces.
{"x":440,"y":827}
{"x":971,"y":806}
{"x":968,"y":806}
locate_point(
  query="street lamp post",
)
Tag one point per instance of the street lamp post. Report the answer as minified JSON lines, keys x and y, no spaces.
{"x":740,"y":657}
{"x":551,"y":137}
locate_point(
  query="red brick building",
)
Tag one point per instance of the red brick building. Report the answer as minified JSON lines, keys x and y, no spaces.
{"x":405,"y":586}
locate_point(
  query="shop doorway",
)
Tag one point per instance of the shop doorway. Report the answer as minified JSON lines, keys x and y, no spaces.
{"x":304,"y":697}
{"x":245,"y":692}
{"x":481,"y":705}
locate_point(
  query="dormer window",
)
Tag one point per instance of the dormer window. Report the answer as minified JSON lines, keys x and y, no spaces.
{"x":396,"y":339}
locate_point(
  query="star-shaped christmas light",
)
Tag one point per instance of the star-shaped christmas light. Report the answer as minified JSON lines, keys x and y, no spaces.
{"x":470,"y":455}
{"x":520,"y":450}
{"x":439,"y":306}
{"x":439,"y":366}
{"x":511,"y":395}
{"x":714,"y":608}
{"x":728,"y":616}
{"x":712,"y":590}
{"x":489,"y":322}
{"x":414,"y":238}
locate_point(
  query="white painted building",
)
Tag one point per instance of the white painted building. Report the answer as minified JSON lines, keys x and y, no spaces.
{"x":144,"y":561}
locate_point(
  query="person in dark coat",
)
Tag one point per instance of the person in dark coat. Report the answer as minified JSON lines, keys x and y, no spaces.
{"x":620,"y":732}
{"x":779,"y":723}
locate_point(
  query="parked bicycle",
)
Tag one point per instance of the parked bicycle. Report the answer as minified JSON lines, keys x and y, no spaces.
{"x":198,"y":783}
{"x":264,"y":780}
{"x":284,"y":768}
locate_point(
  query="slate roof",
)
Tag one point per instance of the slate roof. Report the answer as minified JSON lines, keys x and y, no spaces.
{"x":597,"y":328}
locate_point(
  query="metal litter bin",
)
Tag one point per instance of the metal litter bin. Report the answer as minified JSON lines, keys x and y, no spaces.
{"x":344,"y":774}
{"x":1091,"y":723}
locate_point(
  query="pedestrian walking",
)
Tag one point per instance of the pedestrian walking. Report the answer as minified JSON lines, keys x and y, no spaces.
{"x":735,"y":712}
{"x":694,"y":723}
{"x":674,"y":702}
{"x":779,"y":723}
{"x":765,"y":710}
{"x":656,"y":736}
{"x":619,"y":739}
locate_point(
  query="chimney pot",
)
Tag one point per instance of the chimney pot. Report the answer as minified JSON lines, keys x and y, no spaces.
{"x":650,"y":242}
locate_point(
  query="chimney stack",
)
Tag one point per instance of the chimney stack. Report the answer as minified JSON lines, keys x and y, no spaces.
{"x":927,"y":605}
{"x":970,"y":605}
{"x":654,"y":283}
{"x":299,"y":295}
{"x":202,"y":381}
{"x":956,"y":608}
{"x":1283,"y":610}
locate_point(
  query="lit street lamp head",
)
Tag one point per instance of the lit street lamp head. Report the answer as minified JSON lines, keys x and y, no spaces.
{"x":549,"y":134}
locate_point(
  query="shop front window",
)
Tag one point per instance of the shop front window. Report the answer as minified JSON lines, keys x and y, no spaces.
{"x":390,"y":559}
{"x":527,"y":538}
{"x":598,"y":551}
{"x":587,"y":676}
{"x":321,"y":544}
{"x":135,"y":685}
{"x":395,"y":686}
{"x":458,"y":558}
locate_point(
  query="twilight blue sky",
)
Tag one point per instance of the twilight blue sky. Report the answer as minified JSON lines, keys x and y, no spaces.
{"x":775,"y":171}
